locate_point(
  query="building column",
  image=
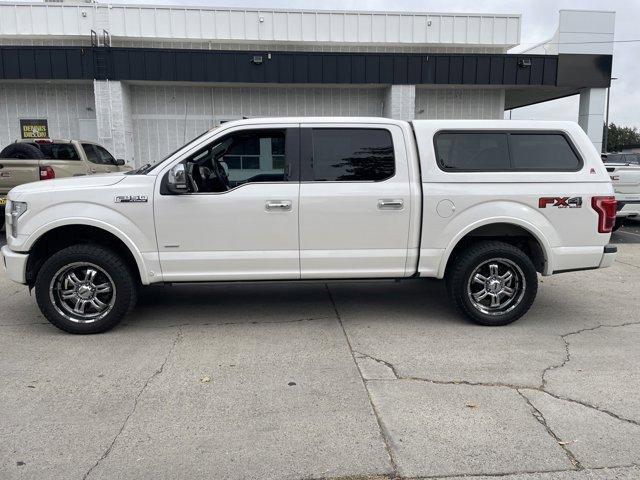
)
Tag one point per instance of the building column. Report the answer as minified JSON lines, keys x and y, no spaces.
{"x":114,"y":120}
{"x":400,"y":102}
{"x":591,"y":113}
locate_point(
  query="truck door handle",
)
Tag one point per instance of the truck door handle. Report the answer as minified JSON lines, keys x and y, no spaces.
{"x":390,"y":204}
{"x":278,"y":205}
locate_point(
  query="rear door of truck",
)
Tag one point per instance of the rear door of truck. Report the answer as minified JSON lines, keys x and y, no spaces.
{"x":355,"y":201}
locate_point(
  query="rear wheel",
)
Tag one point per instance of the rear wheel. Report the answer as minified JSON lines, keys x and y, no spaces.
{"x":492,"y":283}
{"x":85,"y":289}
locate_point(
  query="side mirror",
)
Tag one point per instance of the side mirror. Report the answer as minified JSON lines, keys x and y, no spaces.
{"x":119,"y":162}
{"x":177,"y":179}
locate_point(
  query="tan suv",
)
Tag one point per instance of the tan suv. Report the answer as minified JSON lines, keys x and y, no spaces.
{"x":30,"y":160}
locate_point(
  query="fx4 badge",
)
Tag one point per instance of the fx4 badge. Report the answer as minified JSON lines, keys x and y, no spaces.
{"x":560,"y":202}
{"x":132,"y":199}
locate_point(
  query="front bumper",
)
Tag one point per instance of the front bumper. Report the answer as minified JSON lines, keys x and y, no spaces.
{"x":15,"y":264}
{"x":609,"y":256}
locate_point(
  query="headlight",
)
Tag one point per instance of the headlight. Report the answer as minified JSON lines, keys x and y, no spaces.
{"x":16,"y":209}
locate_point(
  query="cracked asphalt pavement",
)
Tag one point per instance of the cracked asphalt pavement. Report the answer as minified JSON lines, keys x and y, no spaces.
{"x":348,"y":380}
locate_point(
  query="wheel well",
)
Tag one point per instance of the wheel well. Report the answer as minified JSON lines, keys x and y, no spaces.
{"x":515,"y":235}
{"x":65,"y":236}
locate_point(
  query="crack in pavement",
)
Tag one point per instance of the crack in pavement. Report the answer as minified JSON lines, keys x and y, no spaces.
{"x":377,"y":360}
{"x":540,"y":388}
{"x":539,"y":416}
{"x":155,"y":374}
{"x":567,"y":358}
{"x":382,"y":429}
{"x":628,"y":264}
{"x":521,"y":472}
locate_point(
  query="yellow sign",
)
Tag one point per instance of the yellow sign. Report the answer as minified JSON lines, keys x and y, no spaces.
{"x":3,"y":201}
{"x":34,"y":128}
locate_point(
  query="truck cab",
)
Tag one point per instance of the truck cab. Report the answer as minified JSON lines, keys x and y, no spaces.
{"x":487,"y":206}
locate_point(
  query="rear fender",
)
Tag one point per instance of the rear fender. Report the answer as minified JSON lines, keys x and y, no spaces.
{"x":508,"y":212}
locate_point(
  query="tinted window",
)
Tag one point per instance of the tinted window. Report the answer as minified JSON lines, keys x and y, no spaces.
{"x":352,"y":154}
{"x":106,"y":157}
{"x":632,"y":158}
{"x":250,"y":156}
{"x":97,"y":154}
{"x":549,"y":152}
{"x":255,"y":156}
{"x":613,"y":158}
{"x":58,"y":151}
{"x":472,"y":151}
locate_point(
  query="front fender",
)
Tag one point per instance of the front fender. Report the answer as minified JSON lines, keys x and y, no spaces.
{"x":137,"y":240}
{"x":507,"y":212}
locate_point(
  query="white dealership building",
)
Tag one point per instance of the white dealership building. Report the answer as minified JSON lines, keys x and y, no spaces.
{"x":143,"y":79}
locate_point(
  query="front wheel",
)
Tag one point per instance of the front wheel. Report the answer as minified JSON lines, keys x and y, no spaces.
{"x":85,"y":289}
{"x":492,"y":283}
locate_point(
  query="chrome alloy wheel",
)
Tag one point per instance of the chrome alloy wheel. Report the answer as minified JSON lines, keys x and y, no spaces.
{"x":82,"y":292}
{"x":496,"y":286}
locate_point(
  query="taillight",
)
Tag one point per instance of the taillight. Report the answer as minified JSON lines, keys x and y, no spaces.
{"x":606,"y":209}
{"x":47,"y":173}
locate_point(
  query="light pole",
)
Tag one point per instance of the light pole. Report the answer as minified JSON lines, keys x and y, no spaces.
{"x":606,"y":123}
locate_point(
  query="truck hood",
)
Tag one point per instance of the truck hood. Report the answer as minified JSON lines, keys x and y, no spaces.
{"x":71,"y":183}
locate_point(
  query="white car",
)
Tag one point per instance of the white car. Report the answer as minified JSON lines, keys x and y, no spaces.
{"x":624,"y":170}
{"x":485,"y":205}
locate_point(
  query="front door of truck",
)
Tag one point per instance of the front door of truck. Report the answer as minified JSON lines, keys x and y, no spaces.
{"x":355,"y":201}
{"x":240,"y":219}
{"x":100,"y":160}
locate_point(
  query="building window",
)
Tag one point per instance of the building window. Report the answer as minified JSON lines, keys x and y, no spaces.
{"x":352,"y":154}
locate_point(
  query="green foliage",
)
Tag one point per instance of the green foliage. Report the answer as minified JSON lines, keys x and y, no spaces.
{"x":621,"y":136}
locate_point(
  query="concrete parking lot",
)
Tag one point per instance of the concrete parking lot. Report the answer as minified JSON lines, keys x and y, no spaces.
{"x":344,"y":381}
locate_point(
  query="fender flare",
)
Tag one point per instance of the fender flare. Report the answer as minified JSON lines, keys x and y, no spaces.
{"x":528,"y":226}
{"x":72,"y":221}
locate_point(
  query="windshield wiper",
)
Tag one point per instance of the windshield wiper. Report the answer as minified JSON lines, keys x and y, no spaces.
{"x":140,"y":171}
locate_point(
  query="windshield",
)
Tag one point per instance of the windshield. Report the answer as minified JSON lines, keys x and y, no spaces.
{"x":146,"y":168}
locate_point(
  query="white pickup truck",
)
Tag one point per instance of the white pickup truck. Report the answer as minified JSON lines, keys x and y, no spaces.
{"x":485,"y":205}
{"x":624,"y":170}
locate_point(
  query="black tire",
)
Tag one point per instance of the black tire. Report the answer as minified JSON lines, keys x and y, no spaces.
{"x":22,"y":151}
{"x":470,"y":297}
{"x":616,"y":226}
{"x":110,"y":269}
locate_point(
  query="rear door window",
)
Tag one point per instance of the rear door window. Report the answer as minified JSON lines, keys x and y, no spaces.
{"x":352,"y":154}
